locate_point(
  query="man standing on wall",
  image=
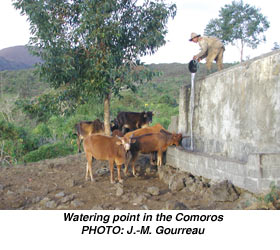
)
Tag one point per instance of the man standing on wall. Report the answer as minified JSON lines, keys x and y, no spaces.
{"x":211,"y":49}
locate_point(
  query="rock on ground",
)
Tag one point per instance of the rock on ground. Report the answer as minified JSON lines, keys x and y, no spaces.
{"x":60,"y":184}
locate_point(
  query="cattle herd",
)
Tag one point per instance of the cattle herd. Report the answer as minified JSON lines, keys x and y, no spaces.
{"x":131,"y":135}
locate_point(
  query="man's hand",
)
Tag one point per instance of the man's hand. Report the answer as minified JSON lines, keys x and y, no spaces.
{"x":195,"y":58}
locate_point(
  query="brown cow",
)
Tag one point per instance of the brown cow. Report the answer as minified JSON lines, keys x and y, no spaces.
{"x":102,"y":147}
{"x":133,"y":120}
{"x":152,"y":129}
{"x":154,"y":142}
{"x":147,"y":130}
{"x":85,"y":128}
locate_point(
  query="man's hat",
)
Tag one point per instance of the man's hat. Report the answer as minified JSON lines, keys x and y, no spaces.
{"x":194,"y":35}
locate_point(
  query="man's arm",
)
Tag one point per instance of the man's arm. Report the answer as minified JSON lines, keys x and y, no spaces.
{"x":204,"y":47}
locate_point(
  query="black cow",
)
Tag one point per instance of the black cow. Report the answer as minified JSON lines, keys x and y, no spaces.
{"x":133,"y":120}
{"x":114,"y":125}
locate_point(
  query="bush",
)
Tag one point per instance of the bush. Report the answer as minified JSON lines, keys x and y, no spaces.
{"x":166,"y":99}
{"x":48,"y":151}
{"x":273,"y":195}
{"x":94,"y":108}
{"x":16,"y":141}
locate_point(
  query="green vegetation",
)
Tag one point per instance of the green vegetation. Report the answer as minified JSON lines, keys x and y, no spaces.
{"x":92,"y":69}
{"x":34,"y":126}
{"x":239,"y":24}
{"x":48,"y":151}
{"x":273,"y":195}
{"x":15,"y":142}
{"x":92,"y":48}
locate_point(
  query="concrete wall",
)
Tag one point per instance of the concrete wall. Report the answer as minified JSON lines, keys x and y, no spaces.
{"x":236,"y":117}
{"x":256,"y":175}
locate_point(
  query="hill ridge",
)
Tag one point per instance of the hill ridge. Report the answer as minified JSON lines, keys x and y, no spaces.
{"x":16,"y":58}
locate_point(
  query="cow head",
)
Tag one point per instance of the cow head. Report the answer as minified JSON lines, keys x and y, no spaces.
{"x":114,"y":125}
{"x":176,"y":139}
{"x":149,"y":116}
{"x":125,"y":142}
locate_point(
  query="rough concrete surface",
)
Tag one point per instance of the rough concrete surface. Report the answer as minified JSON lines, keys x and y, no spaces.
{"x":235,"y":125}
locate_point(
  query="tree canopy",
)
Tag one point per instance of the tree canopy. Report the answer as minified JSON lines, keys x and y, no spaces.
{"x":239,"y":24}
{"x":92,"y":48}
{"x":276,"y":46}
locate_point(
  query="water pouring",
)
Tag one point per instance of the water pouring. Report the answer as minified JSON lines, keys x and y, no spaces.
{"x":193,"y":67}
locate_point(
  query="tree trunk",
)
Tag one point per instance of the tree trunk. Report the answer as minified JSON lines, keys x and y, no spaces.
{"x":107,"y":114}
{"x":242,"y":48}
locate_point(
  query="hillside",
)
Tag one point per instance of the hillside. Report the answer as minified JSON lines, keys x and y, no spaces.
{"x":31,"y":110}
{"x":11,"y":65}
{"x":23,"y":83}
{"x":16,"y":58}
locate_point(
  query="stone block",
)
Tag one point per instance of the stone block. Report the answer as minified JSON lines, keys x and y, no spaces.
{"x":211,"y":163}
{"x":235,"y":168}
{"x":270,"y":159}
{"x":221,"y":165}
{"x":271,"y":172}
{"x":265,"y":184}
{"x":238,"y":180}
{"x":254,"y":173}
{"x":252,"y":184}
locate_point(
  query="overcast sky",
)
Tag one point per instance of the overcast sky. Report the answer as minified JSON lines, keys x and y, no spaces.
{"x":192,"y":16}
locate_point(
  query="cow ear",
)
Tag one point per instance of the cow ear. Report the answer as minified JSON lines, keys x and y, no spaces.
{"x":118,"y":142}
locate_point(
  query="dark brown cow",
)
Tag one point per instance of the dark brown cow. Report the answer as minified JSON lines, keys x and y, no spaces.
{"x":154,"y":142}
{"x":102,"y":147}
{"x":118,"y":133}
{"x":85,"y":128}
{"x":114,"y":125}
{"x":133,"y":120}
{"x":152,"y":129}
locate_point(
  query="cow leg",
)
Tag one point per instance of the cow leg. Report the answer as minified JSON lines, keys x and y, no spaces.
{"x":133,"y":159}
{"x":89,"y":166}
{"x":126,"y":168}
{"x":152,"y":155}
{"x":87,"y":169}
{"x":159,"y":158}
{"x":119,"y":173}
{"x":127,"y":160}
{"x":151,"y":159}
{"x":79,"y":144}
{"x":111,"y":164}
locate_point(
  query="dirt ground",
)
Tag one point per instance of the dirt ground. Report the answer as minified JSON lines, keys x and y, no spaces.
{"x":60,"y":184}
